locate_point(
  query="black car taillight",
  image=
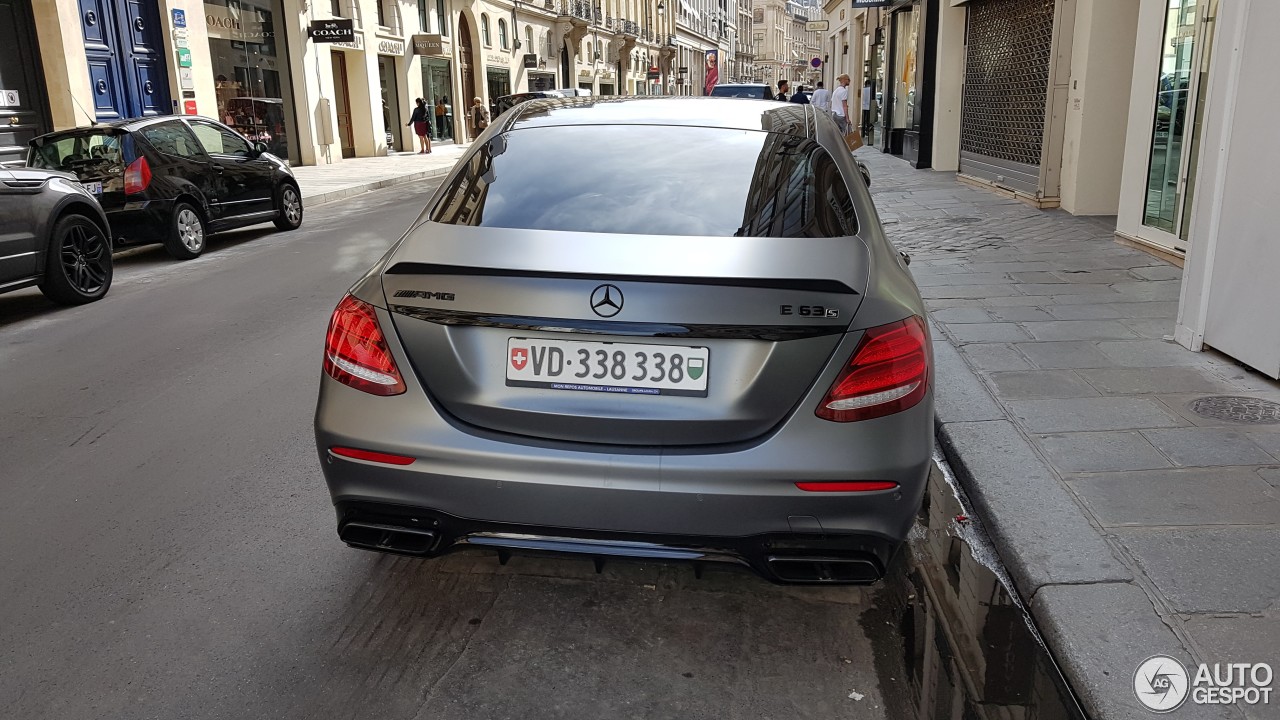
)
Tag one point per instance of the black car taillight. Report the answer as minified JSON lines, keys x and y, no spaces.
{"x":137,"y":176}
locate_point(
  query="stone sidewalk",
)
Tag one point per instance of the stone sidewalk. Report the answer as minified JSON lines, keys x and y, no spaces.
{"x":352,"y":176}
{"x":1136,"y":507}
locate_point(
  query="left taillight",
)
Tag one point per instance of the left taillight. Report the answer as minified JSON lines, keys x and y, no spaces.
{"x":356,"y":352}
{"x":137,"y":176}
{"x":888,"y":373}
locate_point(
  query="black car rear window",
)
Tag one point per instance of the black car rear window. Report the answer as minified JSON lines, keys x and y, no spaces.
{"x":759,"y":92}
{"x":651,"y":180}
{"x":75,"y":152}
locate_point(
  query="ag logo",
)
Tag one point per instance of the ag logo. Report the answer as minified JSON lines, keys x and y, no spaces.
{"x":1161,"y":684}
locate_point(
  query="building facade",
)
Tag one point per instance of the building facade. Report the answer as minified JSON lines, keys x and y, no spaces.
{"x":256,"y":65}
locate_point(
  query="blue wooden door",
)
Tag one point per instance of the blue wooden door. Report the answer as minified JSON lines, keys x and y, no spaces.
{"x":125,"y":52}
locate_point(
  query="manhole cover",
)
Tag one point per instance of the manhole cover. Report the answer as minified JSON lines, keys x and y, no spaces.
{"x":1237,"y":409}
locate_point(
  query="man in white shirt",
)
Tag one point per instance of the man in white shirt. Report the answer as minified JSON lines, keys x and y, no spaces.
{"x":840,"y":103}
{"x":821,"y":98}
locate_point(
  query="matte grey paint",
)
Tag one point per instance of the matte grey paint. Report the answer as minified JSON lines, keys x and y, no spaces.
{"x":724,"y":465}
{"x":31,"y":201}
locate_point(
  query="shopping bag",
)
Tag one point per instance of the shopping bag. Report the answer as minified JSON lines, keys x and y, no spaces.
{"x":853,"y":140}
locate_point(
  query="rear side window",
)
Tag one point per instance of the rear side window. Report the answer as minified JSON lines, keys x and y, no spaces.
{"x":651,"y":180}
{"x":77,"y":152}
{"x":172,"y":138}
{"x":220,"y":141}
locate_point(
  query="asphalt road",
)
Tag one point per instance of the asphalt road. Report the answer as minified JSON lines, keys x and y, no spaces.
{"x":167,"y":546}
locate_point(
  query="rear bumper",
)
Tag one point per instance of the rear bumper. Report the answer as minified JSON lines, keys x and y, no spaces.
{"x":793,"y":558}
{"x":140,"y":221}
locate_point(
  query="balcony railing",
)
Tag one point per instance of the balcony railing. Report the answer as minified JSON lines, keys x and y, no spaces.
{"x":630,"y":28}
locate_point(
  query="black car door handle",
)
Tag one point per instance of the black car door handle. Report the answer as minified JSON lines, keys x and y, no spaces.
{"x":217,"y":169}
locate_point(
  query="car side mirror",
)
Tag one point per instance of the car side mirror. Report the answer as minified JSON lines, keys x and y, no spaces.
{"x":866,"y":174}
{"x":259,"y":148}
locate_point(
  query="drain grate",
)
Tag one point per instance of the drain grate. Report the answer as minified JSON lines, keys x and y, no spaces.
{"x":1234,"y":408}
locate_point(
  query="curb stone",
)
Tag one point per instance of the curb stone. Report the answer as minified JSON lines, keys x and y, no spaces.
{"x":319,"y":198}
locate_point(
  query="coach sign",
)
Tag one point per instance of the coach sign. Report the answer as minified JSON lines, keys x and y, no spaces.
{"x":333,"y":31}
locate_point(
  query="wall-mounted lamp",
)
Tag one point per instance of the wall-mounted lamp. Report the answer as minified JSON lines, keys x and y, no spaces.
{"x":662,"y":7}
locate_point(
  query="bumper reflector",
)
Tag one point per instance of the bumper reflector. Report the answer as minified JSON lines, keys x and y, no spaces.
{"x":371,"y":456}
{"x":852,"y":486}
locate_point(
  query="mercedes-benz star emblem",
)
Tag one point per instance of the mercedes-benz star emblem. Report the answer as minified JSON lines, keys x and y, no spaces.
{"x":606,"y":300}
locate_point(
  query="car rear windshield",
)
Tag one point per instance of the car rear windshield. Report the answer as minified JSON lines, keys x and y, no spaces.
{"x":94,"y":151}
{"x":759,"y":92}
{"x":651,"y":180}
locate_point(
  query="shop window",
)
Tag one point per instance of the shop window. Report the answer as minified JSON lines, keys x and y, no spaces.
{"x":484,"y":31}
{"x":1171,"y":135}
{"x":502,"y":34}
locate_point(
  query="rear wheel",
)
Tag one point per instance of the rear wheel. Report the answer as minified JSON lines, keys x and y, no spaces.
{"x":288,"y":207}
{"x":78,"y":262}
{"x":186,"y":232}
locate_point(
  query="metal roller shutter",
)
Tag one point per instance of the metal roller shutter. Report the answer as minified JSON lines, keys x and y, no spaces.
{"x":1007,"y":65}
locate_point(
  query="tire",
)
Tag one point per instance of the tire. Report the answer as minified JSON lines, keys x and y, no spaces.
{"x":187,"y":232}
{"x":77,"y":262}
{"x":288,"y":207}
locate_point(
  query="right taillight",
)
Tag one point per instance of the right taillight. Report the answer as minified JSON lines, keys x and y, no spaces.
{"x":137,"y":176}
{"x":888,"y":373}
{"x":356,"y":352}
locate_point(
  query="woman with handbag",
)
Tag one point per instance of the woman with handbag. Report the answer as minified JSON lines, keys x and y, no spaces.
{"x":479,"y":117}
{"x":420,"y":127}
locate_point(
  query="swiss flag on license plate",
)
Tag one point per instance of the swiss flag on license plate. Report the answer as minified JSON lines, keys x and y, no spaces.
{"x":519,"y":357}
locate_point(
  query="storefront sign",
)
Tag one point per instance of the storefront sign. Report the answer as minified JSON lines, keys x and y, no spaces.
{"x":189,"y":107}
{"x":357,"y":44}
{"x":186,"y":80}
{"x":428,"y":45}
{"x":390,"y":47}
{"x":530,"y":60}
{"x":496,"y":60}
{"x":184,"y":57}
{"x":179,"y":18}
{"x":334,"y":31}
{"x":654,"y":74}
{"x":180,"y":38}
{"x":817,"y":25}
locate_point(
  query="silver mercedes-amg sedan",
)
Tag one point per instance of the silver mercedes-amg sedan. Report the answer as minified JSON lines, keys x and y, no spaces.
{"x":662,"y":328}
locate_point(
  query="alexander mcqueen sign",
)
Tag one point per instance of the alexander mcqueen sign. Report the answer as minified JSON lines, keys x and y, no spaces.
{"x":428,"y":45}
{"x":341,"y":30}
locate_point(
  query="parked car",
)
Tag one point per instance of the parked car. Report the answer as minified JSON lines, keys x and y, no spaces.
{"x":633,"y":360}
{"x":174,"y":179}
{"x":758,"y":91}
{"x":54,"y":235}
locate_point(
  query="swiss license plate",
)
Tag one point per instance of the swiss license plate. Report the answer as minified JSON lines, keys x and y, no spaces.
{"x":627,"y":368}
{"x":94,"y":188}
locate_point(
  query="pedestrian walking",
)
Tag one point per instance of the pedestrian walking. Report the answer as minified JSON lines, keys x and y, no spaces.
{"x":441,"y":112}
{"x":840,"y":103}
{"x":479,"y":117}
{"x":799,"y":97}
{"x":421,"y":127}
{"x":783,"y":91}
{"x":821,"y":98}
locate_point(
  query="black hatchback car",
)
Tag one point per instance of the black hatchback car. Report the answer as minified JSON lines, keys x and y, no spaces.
{"x":174,"y":179}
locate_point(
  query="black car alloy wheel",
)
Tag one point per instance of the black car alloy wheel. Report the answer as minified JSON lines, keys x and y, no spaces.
{"x":187,"y":233}
{"x":79,"y":268}
{"x":289,"y":207}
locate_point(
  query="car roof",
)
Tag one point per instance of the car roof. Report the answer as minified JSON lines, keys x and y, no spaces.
{"x":742,"y":85}
{"x":710,"y":112}
{"x":126,"y":124}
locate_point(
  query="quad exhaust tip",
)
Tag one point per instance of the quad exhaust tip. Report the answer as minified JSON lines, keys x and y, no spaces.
{"x":388,"y":538}
{"x":824,"y":570}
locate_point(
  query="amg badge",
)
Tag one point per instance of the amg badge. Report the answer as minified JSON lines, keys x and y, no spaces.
{"x":425,"y":295}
